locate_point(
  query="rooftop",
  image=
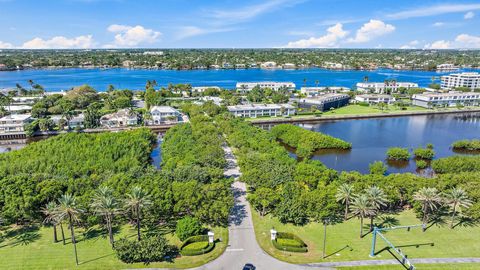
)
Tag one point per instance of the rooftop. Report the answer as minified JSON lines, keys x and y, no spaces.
{"x":164,"y":109}
{"x":18,"y":117}
{"x":259,"y":107}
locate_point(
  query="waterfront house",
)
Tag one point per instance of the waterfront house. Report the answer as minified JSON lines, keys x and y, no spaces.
{"x":201,"y":89}
{"x":451,"y":99}
{"x":384,"y":87}
{"x":262,"y":110}
{"x":164,"y":115}
{"x":466,"y":79}
{"x":375,"y":98}
{"x":446,"y":67}
{"x":122,"y":118}
{"x":324,"y":102}
{"x":289,"y":66}
{"x":244,"y":87}
{"x":77,"y":122}
{"x":14,"y":124}
{"x":268,"y":65}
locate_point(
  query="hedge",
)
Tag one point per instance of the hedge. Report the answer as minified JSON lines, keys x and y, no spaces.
{"x":290,"y":246}
{"x":194,"y":252}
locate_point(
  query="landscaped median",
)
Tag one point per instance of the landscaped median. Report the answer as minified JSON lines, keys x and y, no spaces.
{"x":197,"y":245}
{"x":289,"y":242}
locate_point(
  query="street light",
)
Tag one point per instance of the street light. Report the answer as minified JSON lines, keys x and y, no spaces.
{"x":325,"y":223}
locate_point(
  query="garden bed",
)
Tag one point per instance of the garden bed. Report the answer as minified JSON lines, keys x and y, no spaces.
{"x":289,"y":242}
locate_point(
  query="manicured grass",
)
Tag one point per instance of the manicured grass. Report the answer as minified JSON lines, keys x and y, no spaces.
{"x":289,"y":242}
{"x":344,"y":243}
{"x":35,"y":250}
{"x":357,"y":109}
{"x":196,"y":245}
{"x":457,"y":266}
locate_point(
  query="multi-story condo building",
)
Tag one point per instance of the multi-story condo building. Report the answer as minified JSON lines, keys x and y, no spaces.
{"x":430,"y":100}
{"x":375,"y":98}
{"x":258,"y":110}
{"x":163,"y":115}
{"x":384,"y":87}
{"x":446,"y":67}
{"x":464,"y":79}
{"x":244,"y":87}
{"x":316,"y":91}
{"x":324,"y":102}
{"x":14,"y":124}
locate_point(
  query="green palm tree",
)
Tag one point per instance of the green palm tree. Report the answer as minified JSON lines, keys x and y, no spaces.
{"x":361,"y":208}
{"x":49,"y":212}
{"x":377,"y":199}
{"x":457,"y":199}
{"x":137,"y":200}
{"x":67,"y":209}
{"x":107,"y":206}
{"x":344,"y":195}
{"x":430,"y":199}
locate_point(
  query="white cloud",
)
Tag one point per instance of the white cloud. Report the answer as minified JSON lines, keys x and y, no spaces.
{"x":438,"y":24}
{"x":371,"y":30}
{"x":411,"y":45}
{"x":468,"y":41}
{"x":433,"y":10}
{"x":334,"y":34}
{"x":191,"y":31}
{"x":60,"y":42}
{"x":469,"y":15}
{"x":300,"y":33}
{"x":5,"y":45}
{"x":132,"y":36}
{"x":439,"y":44}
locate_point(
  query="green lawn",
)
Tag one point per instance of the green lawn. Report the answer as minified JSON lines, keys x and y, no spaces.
{"x":357,"y":109}
{"x":344,"y":243}
{"x":458,"y":266}
{"x":35,"y":250}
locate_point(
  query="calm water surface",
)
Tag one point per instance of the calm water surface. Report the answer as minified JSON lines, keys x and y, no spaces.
{"x":371,"y":138}
{"x":64,"y":79}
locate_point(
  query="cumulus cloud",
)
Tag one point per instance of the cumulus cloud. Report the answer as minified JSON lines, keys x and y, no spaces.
{"x":468,"y":41}
{"x":469,"y":15}
{"x":439,"y":44}
{"x":371,"y":30}
{"x":5,"y":45}
{"x":60,"y":42}
{"x":411,"y":45}
{"x":334,"y":34}
{"x":132,"y":36}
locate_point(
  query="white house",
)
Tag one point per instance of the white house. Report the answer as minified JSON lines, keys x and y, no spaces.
{"x":451,"y":99}
{"x":465,"y":79}
{"x":268,"y":65}
{"x":14,"y":124}
{"x":77,"y":121}
{"x":375,"y":98}
{"x":164,"y":115}
{"x":201,"y":89}
{"x":258,"y":110}
{"x":446,"y":67}
{"x":315,"y":91}
{"x":383,"y":87}
{"x":119,"y":119}
{"x":244,"y":87}
{"x":289,"y":66}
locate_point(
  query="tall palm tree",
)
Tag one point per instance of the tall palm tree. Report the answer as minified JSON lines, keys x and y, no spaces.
{"x":137,"y":200}
{"x":361,"y":208}
{"x":67,"y":209}
{"x":344,"y":195}
{"x":457,"y":199}
{"x":106,"y":205}
{"x":430,"y":199}
{"x":49,"y":212}
{"x":377,"y":199}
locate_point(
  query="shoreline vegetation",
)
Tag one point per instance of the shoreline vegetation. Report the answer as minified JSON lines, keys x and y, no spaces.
{"x":306,"y":142}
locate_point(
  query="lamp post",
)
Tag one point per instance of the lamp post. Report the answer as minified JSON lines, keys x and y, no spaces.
{"x":325,"y":223}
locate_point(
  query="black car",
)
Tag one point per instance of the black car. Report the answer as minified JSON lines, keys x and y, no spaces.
{"x":249,"y":266}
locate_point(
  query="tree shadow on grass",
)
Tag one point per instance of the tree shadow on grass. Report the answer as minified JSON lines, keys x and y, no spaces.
{"x":96,"y":259}
{"x":388,"y":222}
{"x":465,"y":222}
{"x":339,"y":250}
{"x":21,"y":236}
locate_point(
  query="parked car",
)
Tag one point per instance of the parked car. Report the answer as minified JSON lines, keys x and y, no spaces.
{"x":249,"y":266}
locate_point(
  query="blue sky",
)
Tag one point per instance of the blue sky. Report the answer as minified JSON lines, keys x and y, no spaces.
{"x":239,"y":24}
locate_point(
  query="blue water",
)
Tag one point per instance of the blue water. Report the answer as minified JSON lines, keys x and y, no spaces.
{"x":64,"y":79}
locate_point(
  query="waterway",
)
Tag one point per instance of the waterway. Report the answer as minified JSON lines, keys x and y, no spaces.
{"x":371,"y":139}
{"x":64,"y":79}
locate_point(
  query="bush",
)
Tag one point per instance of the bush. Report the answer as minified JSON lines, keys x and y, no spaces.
{"x":424,"y":153}
{"x":421,"y":164}
{"x":397,"y":153}
{"x":152,"y":249}
{"x":187,"y":227}
{"x":471,"y":145}
{"x":196,"y":245}
{"x":378,"y":167}
{"x":289,"y":242}
{"x":456,"y":164}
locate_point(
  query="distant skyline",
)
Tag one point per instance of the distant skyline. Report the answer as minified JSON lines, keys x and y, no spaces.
{"x":87,"y":24}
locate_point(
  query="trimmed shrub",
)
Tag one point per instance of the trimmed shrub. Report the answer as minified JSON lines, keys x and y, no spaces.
{"x":424,"y":153}
{"x":289,"y":242}
{"x":196,"y":245}
{"x":152,"y":249}
{"x":456,"y":164}
{"x":397,"y":153}
{"x":471,"y":145}
{"x":188,"y":226}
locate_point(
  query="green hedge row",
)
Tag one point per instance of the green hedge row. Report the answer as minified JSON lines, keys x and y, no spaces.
{"x":195,"y":252}
{"x":300,"y":246}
